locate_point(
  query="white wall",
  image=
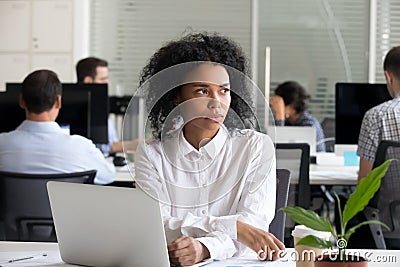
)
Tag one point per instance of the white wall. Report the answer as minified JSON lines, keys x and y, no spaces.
{"x":40,"y":34}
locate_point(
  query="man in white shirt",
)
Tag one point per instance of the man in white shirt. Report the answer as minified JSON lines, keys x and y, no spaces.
{"x":39,"y":145}
{"x":95,"y":70}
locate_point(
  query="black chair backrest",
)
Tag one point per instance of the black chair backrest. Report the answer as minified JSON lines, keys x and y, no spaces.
{"x":25,"y":213}
{"x":296,"y":158}
{"x":328,"y":126}
{"x":277,"y":226}
{"x":387,"y":199}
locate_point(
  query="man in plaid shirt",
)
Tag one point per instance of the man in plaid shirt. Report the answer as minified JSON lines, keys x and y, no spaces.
{"x":383,"y":121}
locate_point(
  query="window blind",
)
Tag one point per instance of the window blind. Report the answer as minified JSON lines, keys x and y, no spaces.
{"x":387,"y":33}
{"x":128,"y":32}
{"x":317,"y":43}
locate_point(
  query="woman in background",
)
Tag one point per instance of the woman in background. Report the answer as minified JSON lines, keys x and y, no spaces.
{"x":290,"y":104}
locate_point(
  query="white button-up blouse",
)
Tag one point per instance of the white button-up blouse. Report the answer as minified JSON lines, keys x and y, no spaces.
{"x":204,"y":192}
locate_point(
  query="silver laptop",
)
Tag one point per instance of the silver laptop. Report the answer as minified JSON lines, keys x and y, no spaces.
{"x":107,"y":226}
{"x":294,"y":134}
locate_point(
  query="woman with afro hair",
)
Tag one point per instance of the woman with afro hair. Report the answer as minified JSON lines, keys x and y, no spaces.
{"x":212,"y":172}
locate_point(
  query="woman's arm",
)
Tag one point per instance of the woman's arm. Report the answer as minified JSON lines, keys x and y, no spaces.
{"x":278,"y":107}
{"x":257,"y":205}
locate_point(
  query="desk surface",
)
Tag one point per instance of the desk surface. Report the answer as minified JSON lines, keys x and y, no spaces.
{"x":333,"y":174}
{"x":320,"y":174}
{"x":330,"y":170}
{"x":123,"y":174}
{"x":9,"y":250}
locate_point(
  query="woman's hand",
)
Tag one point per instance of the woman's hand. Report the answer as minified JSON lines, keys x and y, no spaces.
{"x":278,"y":107}
{"x":187,"y":251}
{"x":265,"y":244}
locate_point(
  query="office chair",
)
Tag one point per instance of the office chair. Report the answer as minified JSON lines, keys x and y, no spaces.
{"x":385,"y":206}
{"x":296,"y":158}
{"x":328,"y":126}
{"x":321,"y":195}
{"x":25,"y":213}
{"x":277,"y":226}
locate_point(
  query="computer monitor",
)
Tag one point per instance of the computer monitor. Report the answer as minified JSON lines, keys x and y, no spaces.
{"x":352,"y":101}
{"x":11,"y":113}
{"x":99,"y":109}
{"x":84,"y":109}
{"x":75,"y":112}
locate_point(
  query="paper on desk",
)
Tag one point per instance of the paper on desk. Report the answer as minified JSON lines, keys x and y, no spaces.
{"x":237,"y":262}
{"x":202,"y":263}
{"x":52,"y":258}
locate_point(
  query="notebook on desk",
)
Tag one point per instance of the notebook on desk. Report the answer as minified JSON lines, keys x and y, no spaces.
{"x":107,"y":226}
{"x":294,"y":134}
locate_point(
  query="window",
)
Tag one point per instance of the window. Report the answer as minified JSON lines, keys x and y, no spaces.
{"x":387,"y":33}
{"x":317,"y":43}
{"x":128,"y":32}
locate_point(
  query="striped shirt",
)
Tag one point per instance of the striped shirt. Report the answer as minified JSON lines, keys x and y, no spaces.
{"x":380,"y":123}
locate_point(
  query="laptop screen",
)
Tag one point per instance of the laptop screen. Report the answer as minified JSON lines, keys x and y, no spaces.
{"x":294,"y":134}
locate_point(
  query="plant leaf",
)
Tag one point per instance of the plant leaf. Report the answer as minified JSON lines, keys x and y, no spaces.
{"x":309,"y":219}
{"x":314,"y":241}
{"x":340,"y":214}
{"x":365,"y":190}
{"x":354,"y":228}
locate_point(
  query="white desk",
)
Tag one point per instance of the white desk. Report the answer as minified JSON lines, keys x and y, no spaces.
{"x":15,"y":250}
{"x":330,"y":170}
{"x":319,"y":174}
{"x":123,"y":174}
{"x":333,"y":175}
{"x":10,"y":250}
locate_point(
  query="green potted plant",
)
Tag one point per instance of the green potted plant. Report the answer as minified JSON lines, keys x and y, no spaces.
{"x":357,"y":201}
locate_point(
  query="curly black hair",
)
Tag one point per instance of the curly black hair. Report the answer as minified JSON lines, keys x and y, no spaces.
{"x":294,"y":94}
{"x":198,"y":47}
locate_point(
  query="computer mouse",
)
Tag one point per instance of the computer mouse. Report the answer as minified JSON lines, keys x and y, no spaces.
{"x":119,"y":161}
